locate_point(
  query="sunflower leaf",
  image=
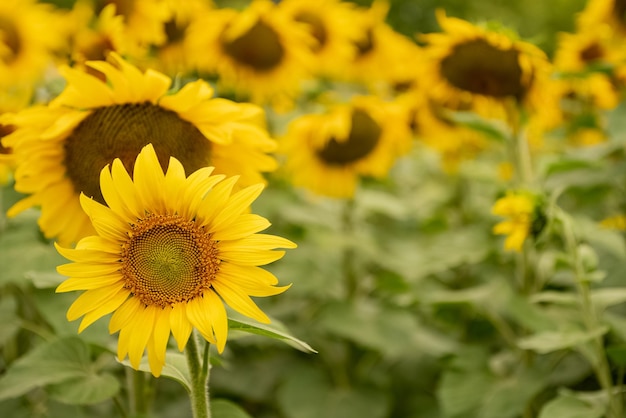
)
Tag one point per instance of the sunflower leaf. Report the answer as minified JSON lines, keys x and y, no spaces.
{"x":260,"y":329}
{"x":223,"y":408}
{"x":175,"y":368}
{"x":49,"y":363}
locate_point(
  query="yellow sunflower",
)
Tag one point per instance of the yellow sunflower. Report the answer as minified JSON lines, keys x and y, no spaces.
{"x":583,"y":59}
{"x":61,"y":148}
{"x":328,"y":153}
{"x":171,"y":56}
{"x":143,"y":19}
{"x":379,"y":47}
{"x":330,"y":22}
{"x":471,"y":67}
{"x":94,"y":36}
{"x":604,"y":12}
{"x":520,"y":210}
{"x":30,"y":34}
{"x":168,"y":253}
{"x":259,"y":53}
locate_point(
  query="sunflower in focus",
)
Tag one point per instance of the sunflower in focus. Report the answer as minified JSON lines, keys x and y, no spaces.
{"x":474,"y":68}
{"x":169,"y":252}
{"x":328,"y":153}
{"x":61,"y":148}
{"x":330,"y":24}
{"x":30,"y":34}
{"x":523,"y":218}
{"x":259,"y":53}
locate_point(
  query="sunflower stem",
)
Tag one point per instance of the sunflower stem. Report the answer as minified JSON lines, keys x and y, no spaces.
{"x":138,"y":404}
{"x":199,"y":371}
{"x":590,"y":319}
{"x":347,"y":223}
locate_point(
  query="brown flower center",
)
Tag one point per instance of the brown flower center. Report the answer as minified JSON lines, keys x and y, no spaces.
{"x":167,"y":260}
{"x":174,"y":31}
{"x":363,"y":138}
{"x":10,"y":37}
{"x":479,"y":67}
{"x":259,"y":48}
{"x":591,"y":53}
{"x":316,"y":27}
{"x":366,"y":44}
{"x":121,"y":131}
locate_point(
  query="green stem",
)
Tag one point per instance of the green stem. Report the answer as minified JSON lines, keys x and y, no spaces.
{"x":139,"y":406}
{"x":199,"y":370}
{"x":591,"y":321}
{"x":349,"y":272}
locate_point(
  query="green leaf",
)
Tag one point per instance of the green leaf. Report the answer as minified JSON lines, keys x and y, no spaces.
{"x":566,"y":405}
{"x":53,"y":362}
{"x":23,"y":251}
{"x":306,"y":393}
{"x":85,"y":390}
{"x":267,"y":331}
{"x":617,"y":354}
{"x":491,"y":128}
{"x":175,"y":368}
{"x":223,"y":408}
{"x":10,"y":323}
{"x":548,"y":341}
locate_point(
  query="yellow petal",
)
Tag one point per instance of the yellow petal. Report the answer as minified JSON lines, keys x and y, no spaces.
{"x":124,"y":314}
{"x":250,"y":258}
{"x":239,"y":301}
{"x":237,"y":204}
{"x":180,"y":325}
{"x":215,"y":200}
{"x":246,"y":225}
{"x":142,"y":326}
{"x":88,"y":283}
{"x":149,"y":179}
{"x":92,"y":299}
{"x":104,"y":309}
{"x":87,"y":270}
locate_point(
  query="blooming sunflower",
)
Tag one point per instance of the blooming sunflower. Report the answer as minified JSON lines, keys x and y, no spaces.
{"x":258,"y":53}
{"x":523,"y":218}
{"x":330,"y":23}
{"x":94,"y":36}
{"x":171,"y":57}
{"x":143,"y":19}
{"x":30,"y":33}
{"x":604,"y":12}
{"x":61,"y":148}
{"x":169,"y":252}
{"x":472,"y":67}
{"x":583,"y":59}
{"x":327,"y":153}
{"x":379,"y":47}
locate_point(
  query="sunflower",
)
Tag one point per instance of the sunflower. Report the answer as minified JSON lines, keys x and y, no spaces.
{"x":604,"y":12}
{"x":521,"y":211}
{"x":143,"y":19}
{"x":30,"y":34}
{"x":327,"y":153}
{"x":330,"y":23}
{"x":94,"y":36}
{"x":585,"y":60}
{"x":61,"y":148}
{"x":379,"y":47}
{"x":259,"y":53}
{"x":475,"y":68}
{"x":168,"y":253}
{"x":170,"y":57}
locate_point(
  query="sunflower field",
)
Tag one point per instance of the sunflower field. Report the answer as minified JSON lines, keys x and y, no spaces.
{"x":303,"y":209}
